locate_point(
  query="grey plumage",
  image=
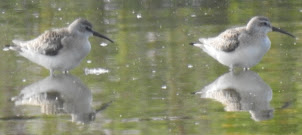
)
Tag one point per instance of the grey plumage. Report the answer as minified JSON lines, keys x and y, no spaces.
{"x":51,"y":40}
{"x":54,"y":44}
{"x":231,"y":38}
{"x":59,"y":49}
{"x":241,"y":46}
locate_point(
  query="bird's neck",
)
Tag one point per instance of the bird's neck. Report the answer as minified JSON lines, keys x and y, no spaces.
{"x":255,"y":33}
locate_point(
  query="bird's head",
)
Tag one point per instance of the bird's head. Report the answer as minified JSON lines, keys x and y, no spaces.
{"x":262,"y":25}
{"x":84,"y":27}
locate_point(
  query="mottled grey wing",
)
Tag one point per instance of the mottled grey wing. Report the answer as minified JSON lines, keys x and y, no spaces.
{"x":51,"y":43}
{"x":228,"y":40}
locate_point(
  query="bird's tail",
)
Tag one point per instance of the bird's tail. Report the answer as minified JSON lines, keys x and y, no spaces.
{"x":7,"y":48}
{"x":196,"y":44}
{"x":13,"y":47}
{"x":191,"y":43}
{"x":199,"y":44}
{"x":16,"y":46}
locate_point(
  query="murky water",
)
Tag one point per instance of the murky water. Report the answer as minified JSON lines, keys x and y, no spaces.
{"x":150,"y":81}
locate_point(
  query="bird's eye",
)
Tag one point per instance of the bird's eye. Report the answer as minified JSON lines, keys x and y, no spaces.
{"x":88,"y":28}
{"x":264,"y":24}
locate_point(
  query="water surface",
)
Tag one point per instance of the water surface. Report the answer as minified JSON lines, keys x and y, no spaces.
{"x":151,"y":73}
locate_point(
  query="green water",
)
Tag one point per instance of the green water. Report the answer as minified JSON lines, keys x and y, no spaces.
{"x":153,"y":72}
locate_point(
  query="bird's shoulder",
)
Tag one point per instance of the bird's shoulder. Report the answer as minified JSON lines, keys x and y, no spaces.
{"x":228,"y":40}
{"x":50,"y":42}
{"x":53,"y":36}
{"x":232,"y":33}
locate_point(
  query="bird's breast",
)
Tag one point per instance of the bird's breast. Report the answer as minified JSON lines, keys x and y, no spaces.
{"x":257,"y":49}
{"x":265,"y":44}
{"x":82,"y":48}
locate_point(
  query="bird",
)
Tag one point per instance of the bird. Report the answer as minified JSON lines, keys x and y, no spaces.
{"x":59,"y":94}
{"x":241,"y":91}
{"x":59,"y":49}
{"x":243,"y":46}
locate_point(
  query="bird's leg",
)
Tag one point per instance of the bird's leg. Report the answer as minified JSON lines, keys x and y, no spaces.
{"x":51,"y":72}
{"x":246,"y":69}
{"x":65,"y":72}
{"x":231,"y":69}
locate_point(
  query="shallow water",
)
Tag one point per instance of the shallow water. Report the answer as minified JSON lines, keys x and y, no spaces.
{"x":150,"y":81}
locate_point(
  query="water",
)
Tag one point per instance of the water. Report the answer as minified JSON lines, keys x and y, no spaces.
{"x":145,"y":82}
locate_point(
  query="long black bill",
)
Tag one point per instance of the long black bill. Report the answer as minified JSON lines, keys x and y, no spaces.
{"x":99,"y":35}
{"x":282,"y":31}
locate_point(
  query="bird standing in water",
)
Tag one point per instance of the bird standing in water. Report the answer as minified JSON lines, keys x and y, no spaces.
{"x":242,"y":46}
{"x":59,"y":49}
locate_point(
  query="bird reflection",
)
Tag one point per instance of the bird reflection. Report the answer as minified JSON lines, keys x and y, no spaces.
{"x":243,"y":91}
{"x":59,"y":94}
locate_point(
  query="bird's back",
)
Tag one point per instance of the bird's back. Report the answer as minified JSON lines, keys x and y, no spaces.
{"x":226,"y":41}
{"x":48,"y":43}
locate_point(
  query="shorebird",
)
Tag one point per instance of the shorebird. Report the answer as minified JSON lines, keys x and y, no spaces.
{"x":241,"y":91}
{"x":241,"y":46}
{"x":59,"y":94}
{"x":59,"y":49}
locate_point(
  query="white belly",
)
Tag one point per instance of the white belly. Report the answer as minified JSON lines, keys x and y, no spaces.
{"x":66,"y":59}
{"x":244,"y":56}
